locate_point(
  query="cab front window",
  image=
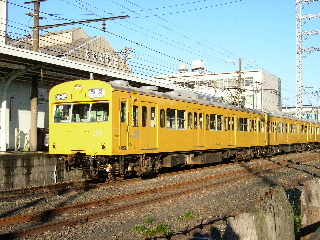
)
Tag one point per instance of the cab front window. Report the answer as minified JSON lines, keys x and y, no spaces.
{"x":82,"y":112}
{"x":63,"y":113}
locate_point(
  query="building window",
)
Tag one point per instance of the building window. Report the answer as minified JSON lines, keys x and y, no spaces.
{"x":248,"y":81}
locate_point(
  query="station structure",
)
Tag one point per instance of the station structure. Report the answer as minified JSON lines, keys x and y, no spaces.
{"x":27,"y":74}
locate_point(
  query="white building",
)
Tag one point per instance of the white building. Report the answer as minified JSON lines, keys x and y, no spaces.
{"x":307,"y":112}
{"x":255,"y":89}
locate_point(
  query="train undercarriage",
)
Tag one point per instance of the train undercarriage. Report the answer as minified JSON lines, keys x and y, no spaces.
{"x":118,"y":167}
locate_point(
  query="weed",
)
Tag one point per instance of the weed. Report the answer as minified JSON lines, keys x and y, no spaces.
{"x":151,"y":230}
{"x":164,"y":229}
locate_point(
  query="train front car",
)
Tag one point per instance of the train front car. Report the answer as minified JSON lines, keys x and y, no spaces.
{"x":80,"y":125}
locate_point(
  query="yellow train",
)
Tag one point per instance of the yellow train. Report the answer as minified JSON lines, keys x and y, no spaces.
{"x":111,"y":129}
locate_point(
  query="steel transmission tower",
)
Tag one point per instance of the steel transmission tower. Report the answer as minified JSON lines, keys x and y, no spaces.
{"x":301,"y":36}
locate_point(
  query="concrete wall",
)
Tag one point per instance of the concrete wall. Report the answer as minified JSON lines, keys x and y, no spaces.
{"x":18,"y":114}
{"x":272,"y":219}
{"x":33,"y":169}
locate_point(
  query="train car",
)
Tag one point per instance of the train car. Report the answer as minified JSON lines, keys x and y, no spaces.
{"x":110,"y":129}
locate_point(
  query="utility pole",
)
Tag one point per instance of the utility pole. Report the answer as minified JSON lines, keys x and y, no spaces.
{"x":239,"y":88}
{"x":34,"y":86}
{"x":239,"y":82}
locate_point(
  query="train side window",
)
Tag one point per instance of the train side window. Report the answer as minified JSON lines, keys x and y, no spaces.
{"x":153,"y":117}
{"x":252,"y":125}
{"x":268,"y":126}
{"x":219,"y":122}
{"x":195,"y":116}
{"x":274,"y":127}
{"x":144,"y":116}
{"x":200,"y":120}
{"x":171,"y":118}
{"x":243,"y":123}
{"x":226,"y":124}
{"x":281,"y":127}
{"x":207,"y":122}
{"x":181,"y":119}
{"x":189,"y":120}
{"x":261,"y":128}
{"x":162,"y":118}
{"x":123,"y":112}
{"x":213,"y":122}
{"x":135,"y":115}
{"x":231,"y":123}
{"x":99,"y":112}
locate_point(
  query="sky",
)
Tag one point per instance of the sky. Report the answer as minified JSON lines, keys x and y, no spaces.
{"x":162,"y":34}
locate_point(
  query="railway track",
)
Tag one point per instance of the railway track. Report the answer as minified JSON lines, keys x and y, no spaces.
{"x":55,"y":219}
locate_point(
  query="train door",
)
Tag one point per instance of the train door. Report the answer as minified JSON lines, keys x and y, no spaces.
{"x":198,"y":128}
{"x":230,"y":131}
{"x":255,"y":129}
{"x":234,"y":130}
{"x":123,"y":129}
{"x":149,"y":134}
{"x":267,"y":129}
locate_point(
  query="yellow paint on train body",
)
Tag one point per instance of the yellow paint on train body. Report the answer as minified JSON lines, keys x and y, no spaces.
{"x":99,"y":118}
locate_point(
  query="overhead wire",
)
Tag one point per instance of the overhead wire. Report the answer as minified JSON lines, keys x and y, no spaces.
{"x":206,"y":54}
{"x":154,"y":69}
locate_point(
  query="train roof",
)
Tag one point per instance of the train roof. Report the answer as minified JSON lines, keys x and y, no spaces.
{"x":189,"y":96}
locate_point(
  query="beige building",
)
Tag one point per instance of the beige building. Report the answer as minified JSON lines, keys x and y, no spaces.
{"x":75,"y":44}
{"x":257,"y":89}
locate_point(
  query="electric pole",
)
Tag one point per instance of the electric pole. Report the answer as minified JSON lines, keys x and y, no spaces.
{"x":301,"y":36}
{"x":239,"y":88}
{"x":239,"y":82}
